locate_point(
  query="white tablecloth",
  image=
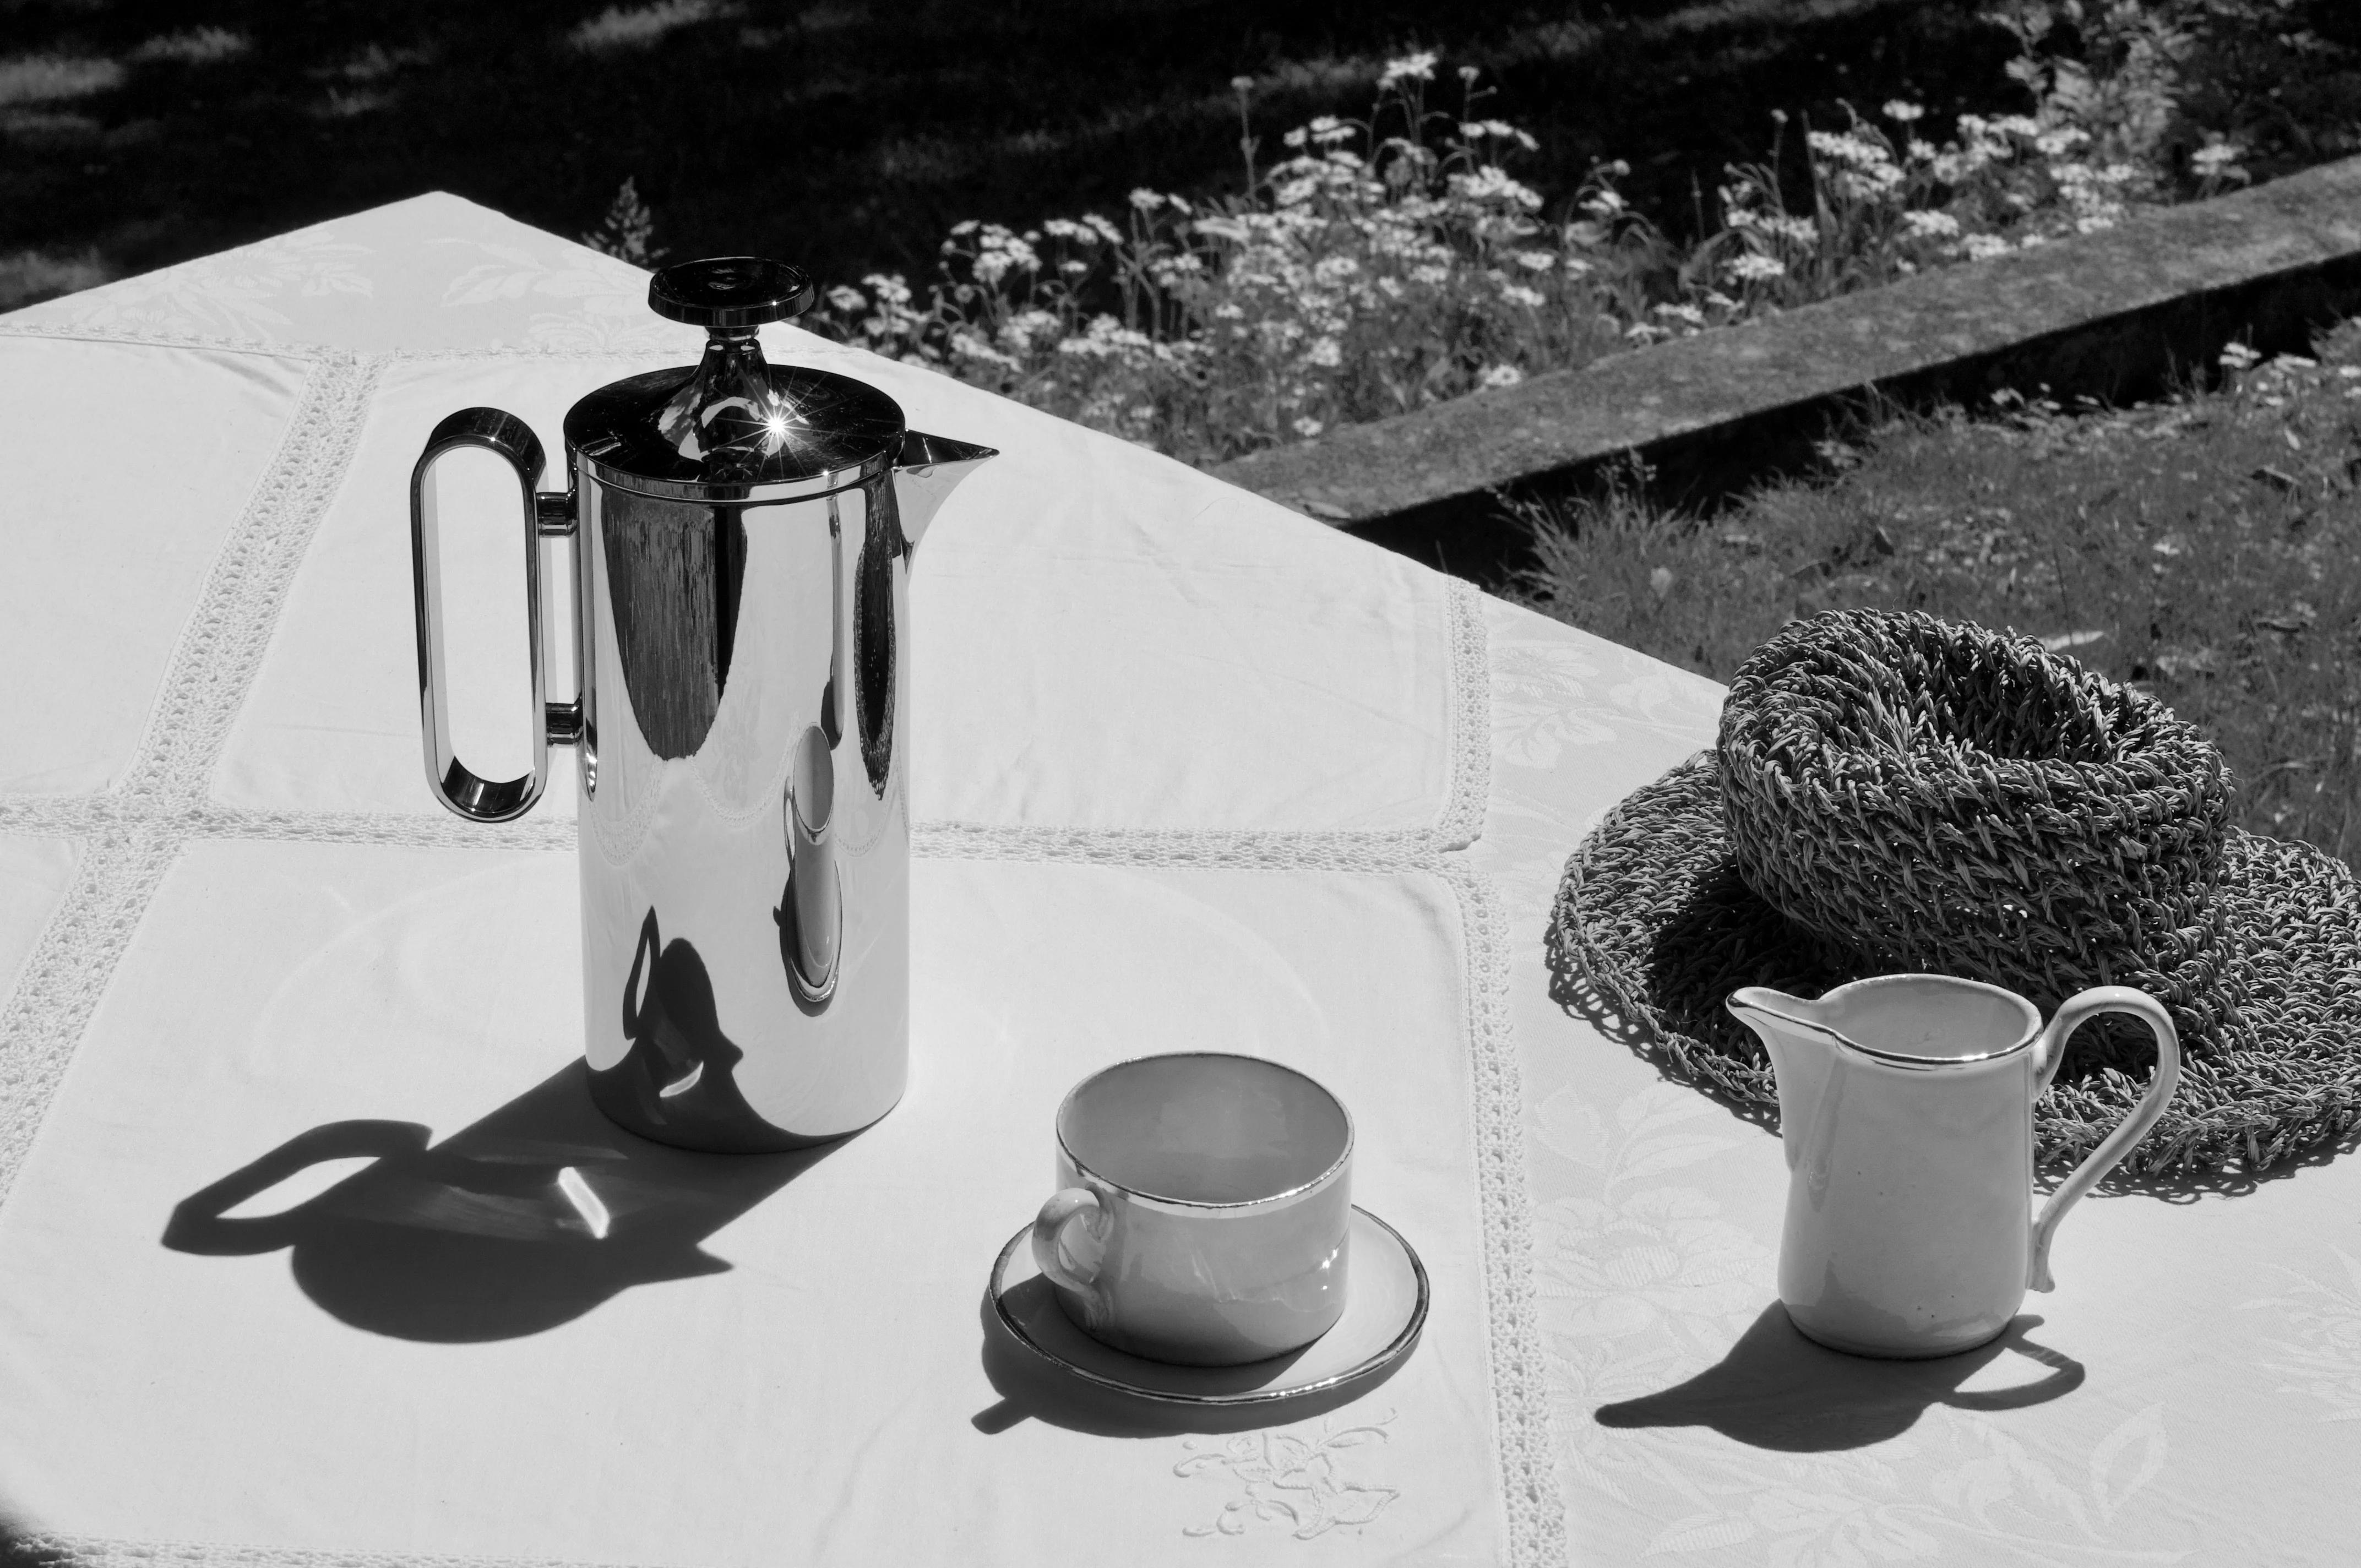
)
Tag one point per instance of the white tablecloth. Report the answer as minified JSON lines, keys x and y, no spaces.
{"x":1190,"y":770}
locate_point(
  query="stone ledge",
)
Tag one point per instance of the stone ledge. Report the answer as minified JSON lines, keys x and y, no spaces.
{"x":2114,"y":315}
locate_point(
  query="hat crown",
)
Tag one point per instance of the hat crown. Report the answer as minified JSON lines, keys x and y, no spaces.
{"x":1927,"y":795}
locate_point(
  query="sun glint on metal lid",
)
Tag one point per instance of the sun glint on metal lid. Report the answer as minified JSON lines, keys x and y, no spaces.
{"x":734,"y":427}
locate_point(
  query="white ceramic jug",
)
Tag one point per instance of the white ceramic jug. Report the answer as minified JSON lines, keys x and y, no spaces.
{"x":1906,"y":1107}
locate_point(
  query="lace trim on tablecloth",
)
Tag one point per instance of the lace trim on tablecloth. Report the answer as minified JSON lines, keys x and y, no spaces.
{"x":90,"y":1552}
{"x":156,"y":338}
{"x":42,"y":1020}
{"x":1529,"y":1485}
{"x":132,"y":834}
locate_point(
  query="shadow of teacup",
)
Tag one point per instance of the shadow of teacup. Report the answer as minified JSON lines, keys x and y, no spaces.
{"x":1776,"y":1389}
{"x":1030,"y":1386}
{"x":523,"y":1221}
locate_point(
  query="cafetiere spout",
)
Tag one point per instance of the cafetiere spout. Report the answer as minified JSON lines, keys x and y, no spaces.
{"x":930,"y":468}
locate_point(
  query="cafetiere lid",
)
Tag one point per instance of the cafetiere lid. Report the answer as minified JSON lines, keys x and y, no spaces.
{"x":733,"y":427}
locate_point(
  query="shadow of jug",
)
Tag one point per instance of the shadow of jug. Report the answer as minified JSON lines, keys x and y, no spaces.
{"x":1776,"y":1389}
{"x":521,"y":1222}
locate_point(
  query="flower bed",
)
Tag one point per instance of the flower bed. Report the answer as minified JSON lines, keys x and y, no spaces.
{"x":1387,"y":263}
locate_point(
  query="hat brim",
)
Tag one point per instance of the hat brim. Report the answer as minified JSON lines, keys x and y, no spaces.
{"x":1653,"y":916}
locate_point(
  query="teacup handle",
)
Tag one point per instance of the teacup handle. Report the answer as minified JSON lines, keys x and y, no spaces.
{"x":1067,"y":1209}
{"x":2049,"y":1051}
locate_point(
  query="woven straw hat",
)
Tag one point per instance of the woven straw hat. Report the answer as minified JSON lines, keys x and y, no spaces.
{"x":1891,"y":792}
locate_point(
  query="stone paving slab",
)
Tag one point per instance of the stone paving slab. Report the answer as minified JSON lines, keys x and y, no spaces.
{"x":2114,"y":315}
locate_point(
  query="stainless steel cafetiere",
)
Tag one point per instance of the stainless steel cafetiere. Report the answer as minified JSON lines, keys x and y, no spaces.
{"x":742,"y":538}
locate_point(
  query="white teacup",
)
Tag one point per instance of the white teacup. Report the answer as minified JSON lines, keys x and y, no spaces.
{"x":1202,"y":1210}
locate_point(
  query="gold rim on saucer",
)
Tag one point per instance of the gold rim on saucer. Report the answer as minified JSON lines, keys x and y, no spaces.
{"x":1385,"y":1308}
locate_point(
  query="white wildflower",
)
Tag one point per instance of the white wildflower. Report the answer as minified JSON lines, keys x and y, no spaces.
{"x":1416,"y":67}
{"x":1687,"y":314}
{"x":1985,"y":247}
{"x":1308,"y":427}
{"x":848,"y":298}
{"x":1845,"y":147}
{"x":1518,"y":294}
{"x":1490,"y":182}
{"x":999,"y":253}
{"x":1146,"y":200}
{"x":1105,"y":338}
{"x":1930,"y":225}
{"x":1325,"y":352}
{"x":1500,"y":375}
{"x":1536,"y":260}
{"x":2217,"y":160}
{"x":1751,"y":267}
{"x":1904,"y":111}
{"x":1026,"y":329}
{"x":969,"y":344}
{"x":1497,"y":130}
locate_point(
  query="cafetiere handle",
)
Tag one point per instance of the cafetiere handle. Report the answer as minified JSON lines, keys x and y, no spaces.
{"x":481,"y":799}
{"x":2049,"y":1050}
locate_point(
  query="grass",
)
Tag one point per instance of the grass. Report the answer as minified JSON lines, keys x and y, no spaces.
{"x":2207,"y":548}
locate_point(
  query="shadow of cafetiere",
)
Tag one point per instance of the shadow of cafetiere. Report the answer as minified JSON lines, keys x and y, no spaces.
{"x":1776,"y":1389}
{"x":520,"y":1223}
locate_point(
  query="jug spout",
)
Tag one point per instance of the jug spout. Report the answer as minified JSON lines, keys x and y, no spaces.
{"x":930,"y":468}
{"x":1772,"y":1013}
{"x":1802,"y":1040}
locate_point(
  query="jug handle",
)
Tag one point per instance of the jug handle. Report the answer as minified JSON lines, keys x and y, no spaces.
{"x":2049,"y":1050}
{"x":479,"y":799}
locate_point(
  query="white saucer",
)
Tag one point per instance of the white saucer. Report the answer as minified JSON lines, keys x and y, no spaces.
{"x":1384,"y":1307}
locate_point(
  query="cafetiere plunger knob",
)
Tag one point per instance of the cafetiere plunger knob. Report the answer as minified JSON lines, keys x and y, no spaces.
{"x":730,"y":291}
